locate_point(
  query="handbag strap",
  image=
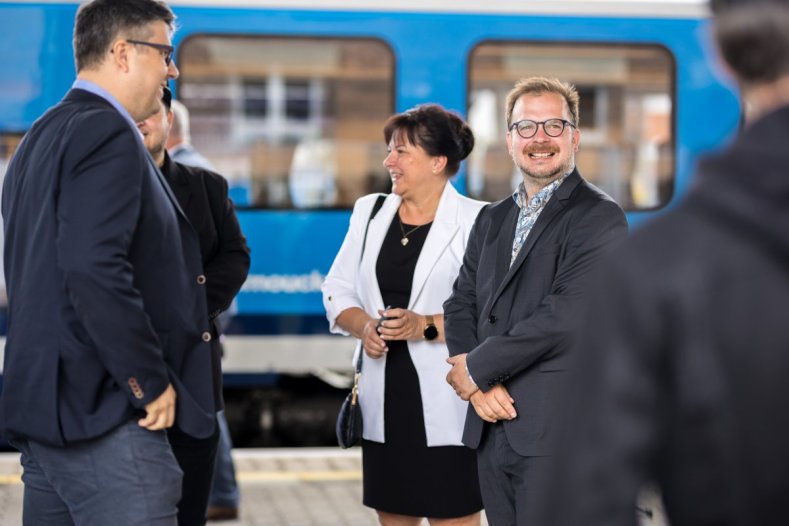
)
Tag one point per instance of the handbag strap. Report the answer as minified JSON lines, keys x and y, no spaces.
{"x":376,"y":207}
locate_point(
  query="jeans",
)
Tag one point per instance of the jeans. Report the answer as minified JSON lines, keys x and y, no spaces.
{"x":128,"y":477}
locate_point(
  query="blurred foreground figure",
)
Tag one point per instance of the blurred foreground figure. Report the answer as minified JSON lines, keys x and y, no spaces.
{"x":684,"y":376}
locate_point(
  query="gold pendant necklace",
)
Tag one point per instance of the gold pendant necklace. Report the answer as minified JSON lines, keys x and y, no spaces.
{"x":404,"y":240}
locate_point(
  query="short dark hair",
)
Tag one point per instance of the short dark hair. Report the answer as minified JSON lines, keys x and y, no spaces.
{"x":753,"y":37}
{"x":435,"y":130}
{"x":167,"y":99}
{"x":99,"y":22}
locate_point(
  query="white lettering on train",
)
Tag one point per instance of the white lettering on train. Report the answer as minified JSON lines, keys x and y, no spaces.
{"x":287,"y":283}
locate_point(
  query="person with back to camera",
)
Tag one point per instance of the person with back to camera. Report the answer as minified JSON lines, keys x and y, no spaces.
{"x":683,"y":383}
{"x":414,"y":463}
{"x":202,"y":195}
{"x":108,"y":337}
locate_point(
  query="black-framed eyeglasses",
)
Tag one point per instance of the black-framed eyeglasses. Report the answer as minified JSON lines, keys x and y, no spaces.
{"x":552,"y":127}
{"x":164,"y":49}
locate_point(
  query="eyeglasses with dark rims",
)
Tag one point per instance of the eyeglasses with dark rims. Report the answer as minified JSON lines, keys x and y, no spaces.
{"x":552,"y":127}
{"x":164,"y":49}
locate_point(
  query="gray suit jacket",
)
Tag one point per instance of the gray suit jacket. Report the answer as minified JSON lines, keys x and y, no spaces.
{"x":515,"y":322}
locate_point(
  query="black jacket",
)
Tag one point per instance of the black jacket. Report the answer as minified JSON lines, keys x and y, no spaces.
{"x":203,"y":197}
{"x":684,"y":381}
{"x":515,"y":321}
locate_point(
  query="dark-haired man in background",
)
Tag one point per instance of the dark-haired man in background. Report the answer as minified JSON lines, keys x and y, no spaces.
{"x":683,"y":379}
{"x":108,"y":337}
{"x":202,"y":195}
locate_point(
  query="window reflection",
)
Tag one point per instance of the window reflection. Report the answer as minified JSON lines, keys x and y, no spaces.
{"x":290,"y":122}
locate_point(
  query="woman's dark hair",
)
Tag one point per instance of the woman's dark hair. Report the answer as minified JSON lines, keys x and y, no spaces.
{"x":435,"y":130}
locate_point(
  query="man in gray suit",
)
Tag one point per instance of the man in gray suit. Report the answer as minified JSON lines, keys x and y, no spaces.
{"x":516,"y":299}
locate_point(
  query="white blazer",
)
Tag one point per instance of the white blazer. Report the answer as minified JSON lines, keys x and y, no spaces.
{"x":351,"y":284}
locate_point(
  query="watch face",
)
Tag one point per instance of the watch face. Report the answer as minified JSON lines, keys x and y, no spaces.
{"x":431,"y":332}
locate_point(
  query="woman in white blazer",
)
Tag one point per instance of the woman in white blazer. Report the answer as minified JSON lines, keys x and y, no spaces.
{"x":390,"y":298}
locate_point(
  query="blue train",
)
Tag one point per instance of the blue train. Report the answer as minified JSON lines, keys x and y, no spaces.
{"x":287,"y":99}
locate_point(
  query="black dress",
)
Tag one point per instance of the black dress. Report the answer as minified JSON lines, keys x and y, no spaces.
{"x":403,"y":475}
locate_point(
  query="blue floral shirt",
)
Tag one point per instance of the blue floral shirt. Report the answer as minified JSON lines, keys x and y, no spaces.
{"x":528,"y":214}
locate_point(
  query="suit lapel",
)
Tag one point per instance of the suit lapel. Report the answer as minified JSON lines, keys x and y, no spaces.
{"x":443,"y":230}
{"x":553,"y":207}
{"x":506,"y":234}
{"x":166,"y":187}
{"x":180,"y":184}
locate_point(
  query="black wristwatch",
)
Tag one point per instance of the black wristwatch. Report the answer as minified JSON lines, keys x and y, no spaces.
{"x":430,"y":332}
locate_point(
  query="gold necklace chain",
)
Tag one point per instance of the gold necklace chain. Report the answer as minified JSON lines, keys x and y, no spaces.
{"x":404,"y":239}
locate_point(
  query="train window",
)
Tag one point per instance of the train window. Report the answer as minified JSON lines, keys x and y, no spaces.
{"x":8,"y":144}
{"x":291,"y":122}
{"x":626,"y":116}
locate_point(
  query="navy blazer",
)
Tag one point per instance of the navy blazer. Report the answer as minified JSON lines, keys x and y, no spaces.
{"x":202,"y":195}
{"x":515,"y":321}
{"x":105,"y":304}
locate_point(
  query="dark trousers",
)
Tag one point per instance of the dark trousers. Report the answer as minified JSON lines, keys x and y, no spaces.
{"x":127,"y":477}
{"x":196,"y":458}
{"x":510,"y":483}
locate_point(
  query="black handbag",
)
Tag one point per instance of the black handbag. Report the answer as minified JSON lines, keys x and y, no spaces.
{"x":349,"y":421}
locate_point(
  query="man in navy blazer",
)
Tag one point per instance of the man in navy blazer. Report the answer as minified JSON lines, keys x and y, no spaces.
{"x":108,"y":337}
{"x":515,"y":301}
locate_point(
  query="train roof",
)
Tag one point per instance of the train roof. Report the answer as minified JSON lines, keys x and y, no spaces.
{"x":592,"y":8}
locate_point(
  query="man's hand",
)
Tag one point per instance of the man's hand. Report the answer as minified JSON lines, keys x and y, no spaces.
{"x":458,"y":377}
{"x":160,"y":414}
{"x":496,"y":404}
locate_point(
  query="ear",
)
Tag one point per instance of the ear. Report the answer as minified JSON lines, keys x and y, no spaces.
{"x":170,"y":116}
{"x":576,"y":140}
{"x":119,"y":53}
{"x":439,"y":163}
{"x":509,"y":143}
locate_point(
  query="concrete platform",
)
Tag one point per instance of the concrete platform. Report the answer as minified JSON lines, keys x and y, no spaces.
{"x":279,"y":487}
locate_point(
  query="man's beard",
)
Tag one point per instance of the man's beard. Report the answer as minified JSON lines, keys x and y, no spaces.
{"x":549,"y":176}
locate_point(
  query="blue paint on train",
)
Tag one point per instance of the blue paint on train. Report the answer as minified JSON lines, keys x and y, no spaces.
{"x":292,"y":250}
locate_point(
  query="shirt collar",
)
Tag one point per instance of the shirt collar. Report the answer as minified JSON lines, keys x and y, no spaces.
{"x":520,"y":196}
{"x":94,"y":88}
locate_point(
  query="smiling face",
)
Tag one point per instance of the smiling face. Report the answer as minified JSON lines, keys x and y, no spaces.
{"x":542,"y":159}
{"x":411,"y":169}
{"x":149,"y":72}
{"x":154,"y":130}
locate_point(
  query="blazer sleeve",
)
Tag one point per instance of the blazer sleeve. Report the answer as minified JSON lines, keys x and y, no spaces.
{"x":98,"y":205}
{"x":228,"y":267}
{"x":339,"y":287}
{"x":460,"y":310}
{"x":545,"y":334}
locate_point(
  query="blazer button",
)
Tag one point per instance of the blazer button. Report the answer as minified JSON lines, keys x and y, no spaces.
{"x":135,"y":387}
{"x":206,"y":336}
{"x":492,"y":319}
{"x":201,"y":280}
